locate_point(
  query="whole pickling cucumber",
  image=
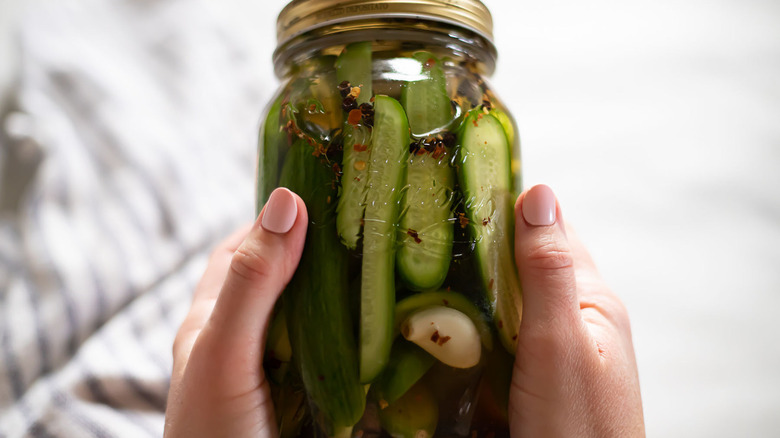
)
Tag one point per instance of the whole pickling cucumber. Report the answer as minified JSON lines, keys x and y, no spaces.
{"x":486,"y":181}
{"x":423,"y":258}
{"x":387,"y":164}
{"x":319,"y":323}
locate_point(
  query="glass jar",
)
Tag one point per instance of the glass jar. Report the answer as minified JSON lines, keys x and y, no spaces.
{"x":402,"y":316}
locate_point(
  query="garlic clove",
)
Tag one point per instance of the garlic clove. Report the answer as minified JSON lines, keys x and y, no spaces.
{"x":447,"y":334}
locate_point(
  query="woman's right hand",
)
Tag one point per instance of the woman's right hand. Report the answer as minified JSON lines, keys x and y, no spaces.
{"x":575,"y":372}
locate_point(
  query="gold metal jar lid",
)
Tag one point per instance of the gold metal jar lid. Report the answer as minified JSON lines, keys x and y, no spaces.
{"x":301,"y":16}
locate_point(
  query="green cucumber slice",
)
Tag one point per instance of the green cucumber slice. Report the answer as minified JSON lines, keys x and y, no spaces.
{"x":408,"y":363}
{"x":426,"y":229}
{"x":354,"y":66}
{"x":354,"y":182}
{"x":387,"y":164}
{"x":486,"y":180}
{"x":426,"y":101}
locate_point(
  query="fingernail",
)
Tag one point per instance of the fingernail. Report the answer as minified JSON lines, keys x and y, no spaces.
{"x":280,"y":211}
{"x":539,"y":206}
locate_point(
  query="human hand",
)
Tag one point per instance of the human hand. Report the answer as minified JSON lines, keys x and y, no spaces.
{"x":575,"y":372}
{"x":218,"y":388}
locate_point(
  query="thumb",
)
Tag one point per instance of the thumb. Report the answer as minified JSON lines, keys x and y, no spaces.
{"x":544,"y":261}
{"x":234,"y":336}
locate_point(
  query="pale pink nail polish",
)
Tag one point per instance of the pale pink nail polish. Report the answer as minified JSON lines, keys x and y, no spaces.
{"x":280,"y":211}
{"x":539,"y":206}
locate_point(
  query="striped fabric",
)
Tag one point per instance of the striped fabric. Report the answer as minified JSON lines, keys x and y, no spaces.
{"x":128,"y":153}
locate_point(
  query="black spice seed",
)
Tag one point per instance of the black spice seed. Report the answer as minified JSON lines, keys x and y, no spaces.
{"x":448,"y":139}
{"x":344,"y":88}
{"x":368,"y":113}
{"x":429,"y":144}
{"x":349,"y":103}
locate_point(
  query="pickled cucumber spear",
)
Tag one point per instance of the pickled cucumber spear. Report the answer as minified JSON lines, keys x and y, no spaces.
{"x":486,"y":180}
{"x":353,"y":69}
{"x":426,"y":246}
{"x":387,"y":165}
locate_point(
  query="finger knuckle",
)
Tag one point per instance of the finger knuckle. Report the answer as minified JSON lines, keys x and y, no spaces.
{"x":549,"y":254}
{"x":251,"y":264}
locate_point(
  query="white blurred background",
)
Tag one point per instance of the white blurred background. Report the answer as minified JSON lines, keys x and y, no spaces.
{"x":658,"y":126}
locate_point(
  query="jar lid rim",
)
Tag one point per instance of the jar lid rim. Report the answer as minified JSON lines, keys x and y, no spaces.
{"x":301,"y":16}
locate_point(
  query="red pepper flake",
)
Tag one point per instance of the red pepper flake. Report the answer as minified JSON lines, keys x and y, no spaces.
{"x":354,"y":117}
{"x":485,"y":221}
{"x":443,"y":340}
{"x":500,"y":324}
{"x":312,"y":107}
{"x":429,"y":63}
{"x":320,"y":377}
{"x":463,"y":220}
{"x":479,"y":117}
{"x":318,"y":150}
{"x":446,"y":303}
{"x":438,"y":151}
{"x":490,"y":284}
{"x":414,"y":235}
{"x":360,"y":147}
{"x":435,"y":336}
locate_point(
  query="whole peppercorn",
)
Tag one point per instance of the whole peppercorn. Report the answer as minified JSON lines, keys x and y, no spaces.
{"x":429,"y":143}
{"x":448,"y":139}
{"x":367,"y":108}
{"x":349,"y":104}
{"x":344,"y":88}
{"x":368,"y":113}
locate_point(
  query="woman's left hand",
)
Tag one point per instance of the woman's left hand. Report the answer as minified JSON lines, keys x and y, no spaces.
{"x":218,"y":387}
